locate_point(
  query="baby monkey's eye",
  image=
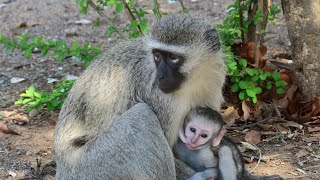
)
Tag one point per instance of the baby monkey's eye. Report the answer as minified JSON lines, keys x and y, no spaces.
{"x":192,"y":129}
{"x":204,"y":135}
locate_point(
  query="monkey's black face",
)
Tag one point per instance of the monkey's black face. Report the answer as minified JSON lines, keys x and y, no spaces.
{"x":168,"y":77}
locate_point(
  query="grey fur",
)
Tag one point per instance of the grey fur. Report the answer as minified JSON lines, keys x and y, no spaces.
{"x":88,"y":138}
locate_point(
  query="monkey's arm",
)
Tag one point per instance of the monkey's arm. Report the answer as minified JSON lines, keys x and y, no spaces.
{"x":183,"y":171}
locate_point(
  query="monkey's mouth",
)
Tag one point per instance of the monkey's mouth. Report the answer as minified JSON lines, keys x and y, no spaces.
{"x":191,"y":148}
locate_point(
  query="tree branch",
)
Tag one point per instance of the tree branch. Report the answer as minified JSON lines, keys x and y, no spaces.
{"x":130,"y":15}
{"x":106,"y":19}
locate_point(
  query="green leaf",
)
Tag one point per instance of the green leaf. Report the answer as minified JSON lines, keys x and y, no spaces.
{"x":38,"y":95}
{"x":263,"y":77}
{"x":243,"y":63}
{"x":279,"y":90}
{"x":276,"y":76}
{"x":133,"y":25}
{"x":250,"y":71}
{"x":235,"y":87}
{"x":25,"y":101}
{"x":269,"y":85}
{"x":254,"y":99}
{"x":119,"y":8}
{"x":280,"y":83}
{"x":258,"y":90}
{"x":242,"y":95}
{"x":255,"y":78}
{"x":24,"y":95}
{"x":62,"y":56}
{"x":28,"y":52}
{"x":243,"y":84}
{"x":18,"y":102}
{"x":251,"y":92}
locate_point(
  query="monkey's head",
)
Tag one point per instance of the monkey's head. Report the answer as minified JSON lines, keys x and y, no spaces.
{"x":203,"y":126}
{"x":179,"y":43}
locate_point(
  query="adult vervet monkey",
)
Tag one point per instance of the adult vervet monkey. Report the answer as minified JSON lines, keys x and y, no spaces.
{"x":175,"y":68}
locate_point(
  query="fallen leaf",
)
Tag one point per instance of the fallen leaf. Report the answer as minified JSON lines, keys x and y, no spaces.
{"x":14,"y":80}
{"x":6,"y":114}
{"x":249,"y":146}
{"x":230,"y":115}
{"x":83,"y":21}
{"x":269,"y":133}
{"x":292,"y":124}
{"x":282,"y":129}
{"x":313,"y":138}
{"x":301,"y":153}
{"x":246,"y":110}
{"x":253,"y":137}
{"x":19,"y":119}
{"x":6,"y":130}
{"x":313,"y":129}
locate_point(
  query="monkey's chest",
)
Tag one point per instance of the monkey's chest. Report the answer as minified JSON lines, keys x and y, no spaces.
{"x":199,"y":160}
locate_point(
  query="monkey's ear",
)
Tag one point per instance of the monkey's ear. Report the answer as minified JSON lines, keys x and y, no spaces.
{"x":212,"y":38}
{"x":216,"y":140}
{"x":182,"y":137}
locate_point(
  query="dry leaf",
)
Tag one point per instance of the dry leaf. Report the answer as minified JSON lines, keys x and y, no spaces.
{"x":292,"y":124}
{"x":230,"y":115}
{"x":282,"y":129}
{"x":6,"y":130}
{"x":313,"y":138}
{"x":19,"y":119}
{"x":313,"y":129}
{"x":249,"y":146}
{"x":301,"y":153}
{"x":6,"y":114}
{"x":253,"y":137}
{"x":246,"y":110}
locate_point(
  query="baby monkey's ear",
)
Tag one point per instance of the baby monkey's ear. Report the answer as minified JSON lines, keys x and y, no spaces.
{"x":216,"y":140}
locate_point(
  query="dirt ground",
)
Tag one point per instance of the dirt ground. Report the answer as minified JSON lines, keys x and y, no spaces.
{"x":54,"y":19}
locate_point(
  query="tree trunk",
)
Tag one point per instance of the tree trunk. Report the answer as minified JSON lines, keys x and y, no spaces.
{"x":303,"y":21}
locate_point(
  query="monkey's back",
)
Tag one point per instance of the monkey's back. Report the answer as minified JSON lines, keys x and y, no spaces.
{"x":104,"y":91}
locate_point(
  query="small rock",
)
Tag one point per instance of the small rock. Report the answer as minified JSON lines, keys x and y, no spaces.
{"x":13,"y":174}
{"x":75,"y":60}
{"x":28,"y":153}
{"x":14,"y":80}
{"x":1,"y":81}
{"x":71,"y":77}
{"x":71,"y":31}
{"x":60,"y":68}
{"x":83,"y":21}
{"x":52,"y":80}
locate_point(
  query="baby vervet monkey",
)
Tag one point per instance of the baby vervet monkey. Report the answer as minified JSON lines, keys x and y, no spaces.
{"x":203,"y":147}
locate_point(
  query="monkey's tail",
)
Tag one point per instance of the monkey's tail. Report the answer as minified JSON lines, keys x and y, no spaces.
{"x":248,"y":176}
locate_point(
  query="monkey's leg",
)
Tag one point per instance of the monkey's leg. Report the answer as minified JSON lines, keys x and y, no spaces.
{"x":227,"y":165}
{"x":133,"y":148}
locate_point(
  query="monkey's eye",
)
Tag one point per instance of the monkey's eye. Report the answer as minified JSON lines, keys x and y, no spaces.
{"x":204,"y":135}
{"x":157,"y":55}
{"x":174,"y":58}
{"x":192,"y":129}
